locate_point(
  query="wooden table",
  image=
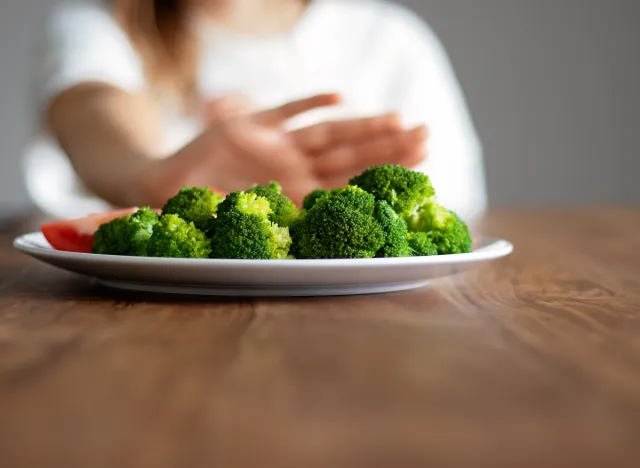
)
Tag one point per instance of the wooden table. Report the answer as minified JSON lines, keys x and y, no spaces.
{"x":531,"y":361}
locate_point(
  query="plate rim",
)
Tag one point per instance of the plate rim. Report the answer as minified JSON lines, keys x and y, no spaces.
{"x":493,"y":248}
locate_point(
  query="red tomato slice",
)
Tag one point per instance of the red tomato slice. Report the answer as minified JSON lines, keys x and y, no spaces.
{"x":76,"y":235}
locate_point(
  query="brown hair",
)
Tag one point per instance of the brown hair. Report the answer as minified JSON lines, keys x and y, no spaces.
{"x":161,"y":33}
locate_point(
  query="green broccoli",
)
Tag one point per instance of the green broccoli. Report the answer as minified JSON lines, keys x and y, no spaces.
{"x":444,"y":228}
{"x":341,"y":225}
{"x":176,"y":238}
{"x":113,"y":238}
{"x":313,"y":197}
{"x":195,"y":204}
{"x":242,"y":230}
{"x":128,"y":235}
{"x":295,"y":230}
{"x":421,"y":245}
{"x":395,"y":230}
{"x":388,"y":211}
{"x":141,"y":229}
{"x":402,"y":188}
{"x":283,"y":210}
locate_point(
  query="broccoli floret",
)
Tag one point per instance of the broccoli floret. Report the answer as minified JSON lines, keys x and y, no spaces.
{"x":246,"y":203}
{"x":113,"y":238}
{"x":402,"y":188}
{"x":283,"y":210}
{"x":421,"y":245}
{"x":313,"y":197}
{"x":176,"y":238}
{"x":195,"y":204}
{"x":341,"y":225}
{"x":141,"y":228}
{"x":242,"y":230}
{"x":295,"y":230}
{"x":128,"y":235}
{"x":395,"y":230}
{"x":444,"y":228}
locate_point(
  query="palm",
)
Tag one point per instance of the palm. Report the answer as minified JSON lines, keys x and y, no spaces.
{"x":323,"y":155}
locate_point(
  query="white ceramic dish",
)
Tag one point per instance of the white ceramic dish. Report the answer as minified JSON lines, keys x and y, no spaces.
{"x":262,"y":277}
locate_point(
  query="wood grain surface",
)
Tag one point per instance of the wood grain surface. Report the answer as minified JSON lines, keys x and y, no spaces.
{"x":530,"y":361}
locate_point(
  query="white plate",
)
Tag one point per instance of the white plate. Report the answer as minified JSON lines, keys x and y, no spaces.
{"x":262,"y":277}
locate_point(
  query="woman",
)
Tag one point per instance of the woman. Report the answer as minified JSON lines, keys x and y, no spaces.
{"x":140,"y":97}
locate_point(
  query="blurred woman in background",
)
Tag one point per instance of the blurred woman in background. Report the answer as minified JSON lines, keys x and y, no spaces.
{"x":138,"y":98}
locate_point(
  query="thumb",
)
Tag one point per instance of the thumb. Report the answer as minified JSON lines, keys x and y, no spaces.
{"x":227,"y":107}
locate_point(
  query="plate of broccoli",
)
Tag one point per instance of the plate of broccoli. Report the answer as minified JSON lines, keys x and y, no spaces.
{"x":383,"y":232}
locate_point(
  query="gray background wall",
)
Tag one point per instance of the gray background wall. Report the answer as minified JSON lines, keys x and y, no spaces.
{"x":552,"y":85}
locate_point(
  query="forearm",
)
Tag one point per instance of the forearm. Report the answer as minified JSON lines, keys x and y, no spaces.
{"x":111,"y":140}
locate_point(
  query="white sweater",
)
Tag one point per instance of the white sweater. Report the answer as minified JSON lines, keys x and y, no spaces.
{"x":379,"y":56}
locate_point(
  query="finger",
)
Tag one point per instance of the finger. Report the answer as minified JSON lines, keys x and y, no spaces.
{"x":227,"y":107}
{"x":415,"y":158}
{"x":321,"y":136}
{"x":292,"y":109}
{"x":383,"y":150}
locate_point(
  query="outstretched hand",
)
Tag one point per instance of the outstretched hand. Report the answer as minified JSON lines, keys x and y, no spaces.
{"x":242,"y":147}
